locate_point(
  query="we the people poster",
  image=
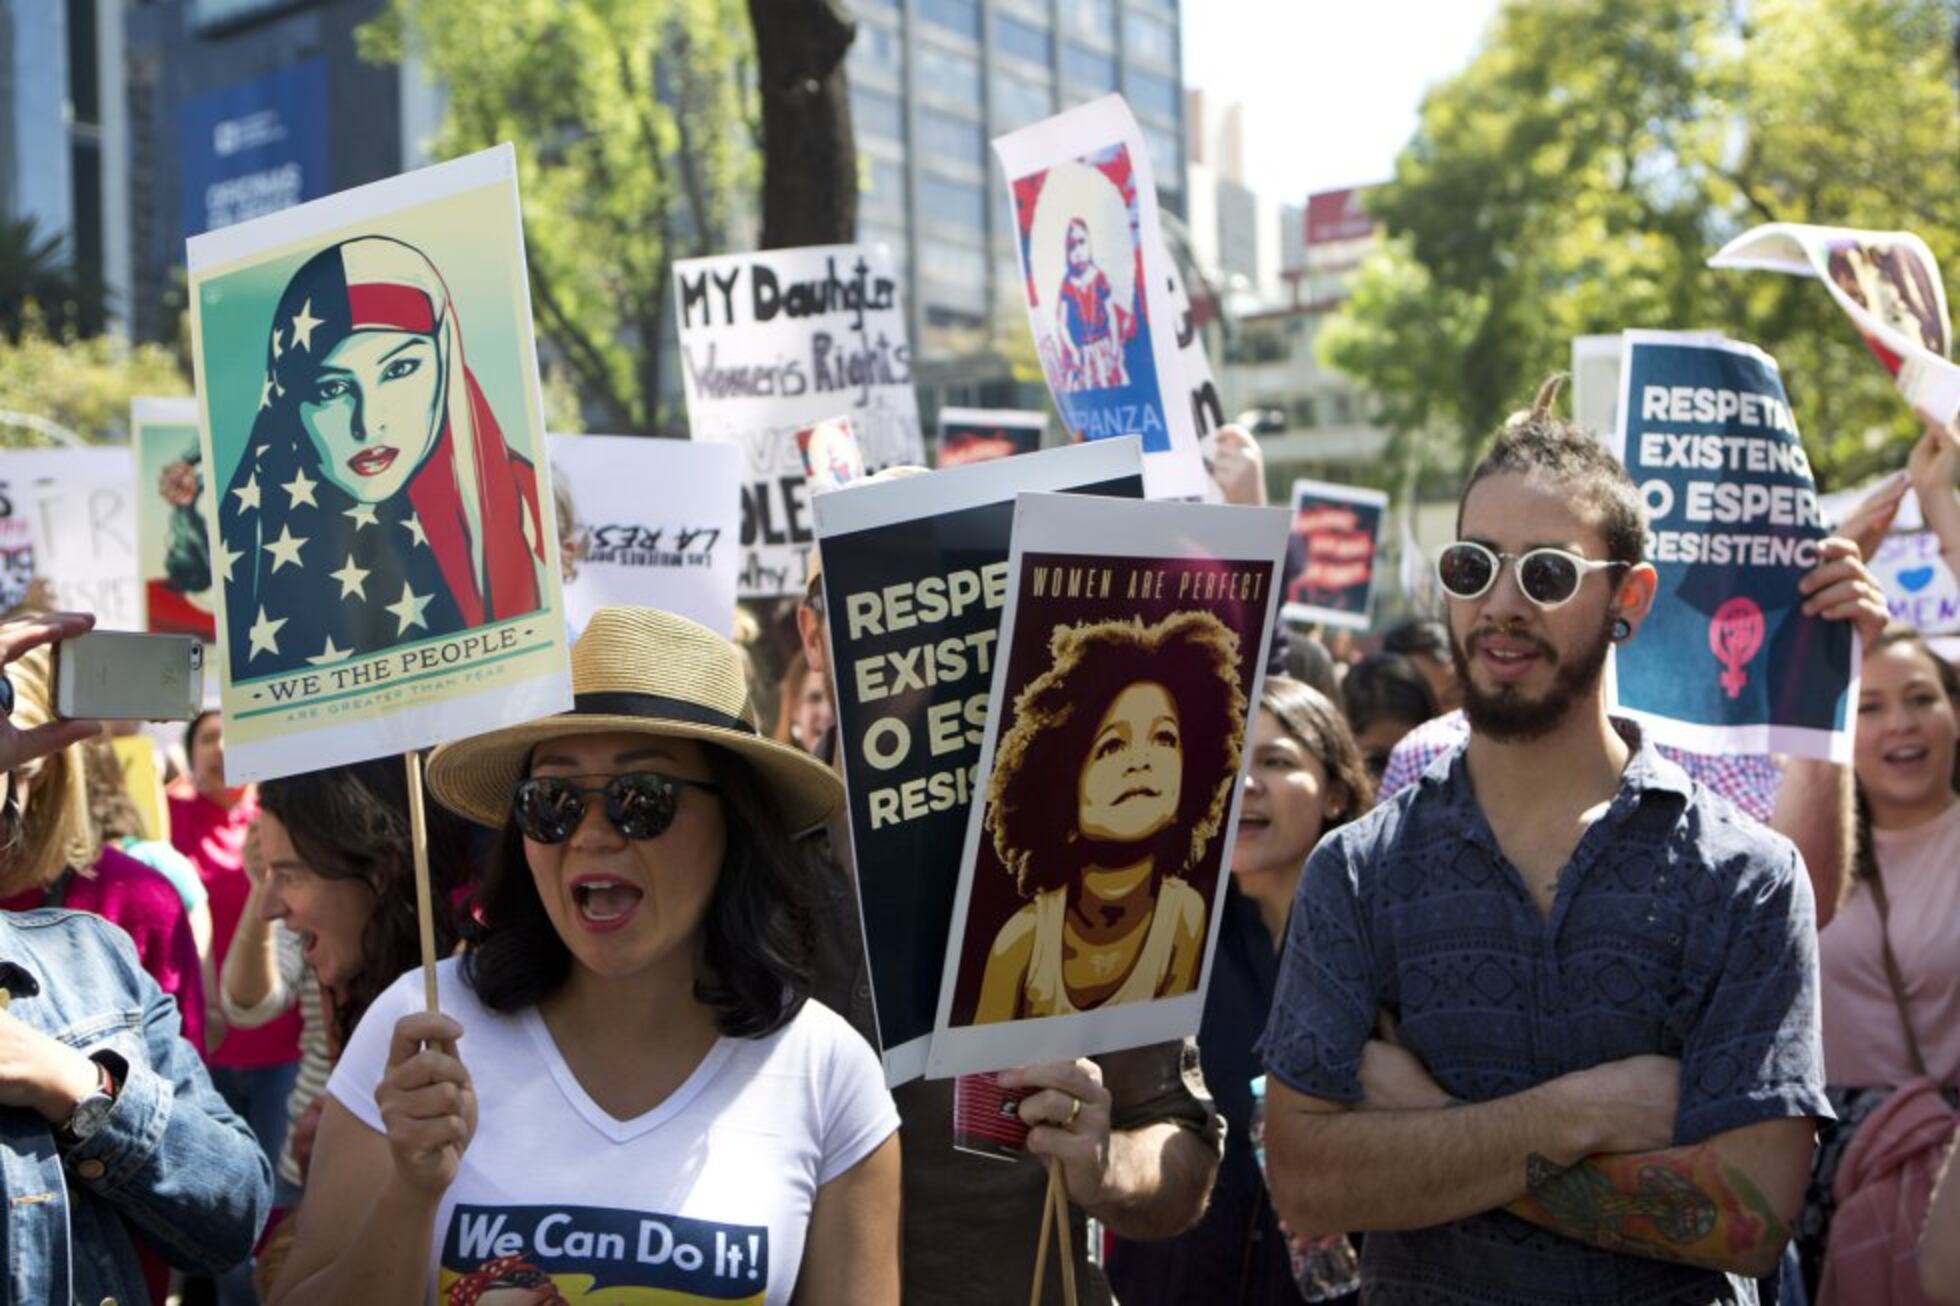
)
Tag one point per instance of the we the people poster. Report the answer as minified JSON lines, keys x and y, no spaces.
{"x":1726,"y":662}
{"x":385,"y":546}
{"x":774,"y":342}
{"x":173,"y":554}
{"x":648,"y":523}
{"x":914,"y":583}
{"x":1130,"y":661}
{"x":1096,"y":285}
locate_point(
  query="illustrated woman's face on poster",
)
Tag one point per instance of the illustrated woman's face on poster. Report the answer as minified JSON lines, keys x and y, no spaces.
{"x":1078,"y":246}
{"x":372,"y":411}
{"x":1133,"y":777}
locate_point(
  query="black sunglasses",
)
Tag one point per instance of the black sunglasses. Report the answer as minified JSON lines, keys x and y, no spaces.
{"x":1547,"y":576}
{"x":640,"y":804}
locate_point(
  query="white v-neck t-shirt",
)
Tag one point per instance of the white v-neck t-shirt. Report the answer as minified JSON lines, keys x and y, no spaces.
{"x":705,"y":1198}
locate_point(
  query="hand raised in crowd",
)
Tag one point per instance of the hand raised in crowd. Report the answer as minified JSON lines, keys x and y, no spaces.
{"x":427,"y":1102}
{"x":1068,"y":1115}
{"x":1934,"y":463}
{"x":1841,"y":588}
{"x":40,"y":1073}
{"x":1238,"y":467}
{"x":250,"y":855}
{"x":17,"y":637}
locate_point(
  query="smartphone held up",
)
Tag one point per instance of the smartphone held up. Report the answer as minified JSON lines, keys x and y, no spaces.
{"x":114,"y":675}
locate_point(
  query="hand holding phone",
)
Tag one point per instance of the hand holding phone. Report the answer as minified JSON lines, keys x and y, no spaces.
{"x":19,"y":747}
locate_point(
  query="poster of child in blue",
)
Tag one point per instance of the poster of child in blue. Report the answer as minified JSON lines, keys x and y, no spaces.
{"x":1726,"y":662}
{"x":1097,"y":288}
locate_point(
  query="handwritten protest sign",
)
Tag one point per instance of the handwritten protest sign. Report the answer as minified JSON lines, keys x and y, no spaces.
{"x":1341,"y":527}
{"x":16,"y":543}
{"x":1096,"y":283}
{"x":171,"y":499}
{"x":915,"y":575}
{"x":384,"y":539}
{"x":653,"y":523}
{"x":973,"y":435}
{"x":1887,"y":283}
{"x":80,"y":507}
{"x":775,"y":341}
{"x":1726,"y":662}
{"x":1920,"y":588}
{"x":1131,"y":656}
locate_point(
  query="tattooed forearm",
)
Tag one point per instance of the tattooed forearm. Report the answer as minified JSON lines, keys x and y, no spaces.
{"x":1684,"y":1204}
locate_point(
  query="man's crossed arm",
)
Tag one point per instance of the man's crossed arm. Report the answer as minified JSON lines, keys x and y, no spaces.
{"x":1585,"y":1155}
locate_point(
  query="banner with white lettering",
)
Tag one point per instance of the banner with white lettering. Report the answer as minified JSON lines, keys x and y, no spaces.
{"x":775,"y":341}
{"x":547,"y":1254}
{"x":1098,"y":289}
{"x":1726,"y":662}
{"x":80,"y":509}
{"x":1341,"y":527}
{"x":914,"y":575}
{"x":1131,"y":655}
{"x":649,"y":523}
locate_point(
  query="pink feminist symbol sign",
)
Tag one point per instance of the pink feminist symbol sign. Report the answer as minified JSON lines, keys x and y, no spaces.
{"x":1735,"y":632}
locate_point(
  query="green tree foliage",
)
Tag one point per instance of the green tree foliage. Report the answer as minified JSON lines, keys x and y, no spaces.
{"x":36,"y":278}
{"x":1575,"y":177}
{"x":633,"y":122}
{"x":82,"y":383}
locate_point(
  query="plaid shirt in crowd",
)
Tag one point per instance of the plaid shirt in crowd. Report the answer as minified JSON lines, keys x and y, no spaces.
{"x":1748,"y":780}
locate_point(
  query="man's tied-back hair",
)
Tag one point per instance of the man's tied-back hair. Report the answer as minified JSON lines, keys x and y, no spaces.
{"x":1537,"y":440}
{"x":1033,"y":795}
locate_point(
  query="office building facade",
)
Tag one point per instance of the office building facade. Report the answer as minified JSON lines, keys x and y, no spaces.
{"x":932,"y":81}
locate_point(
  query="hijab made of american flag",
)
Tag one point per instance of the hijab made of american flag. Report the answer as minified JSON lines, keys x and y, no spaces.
{"x":314,"y":575}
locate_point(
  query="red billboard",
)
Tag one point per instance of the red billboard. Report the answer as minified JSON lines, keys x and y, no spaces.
{"x":1337,"y":215}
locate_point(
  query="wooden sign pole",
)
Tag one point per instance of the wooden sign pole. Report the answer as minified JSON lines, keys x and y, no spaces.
{"x":418,"y":831}
{"x":1054,"y":1215}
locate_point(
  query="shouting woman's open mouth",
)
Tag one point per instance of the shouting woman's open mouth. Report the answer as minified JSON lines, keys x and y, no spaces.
{"x":373,"y":462}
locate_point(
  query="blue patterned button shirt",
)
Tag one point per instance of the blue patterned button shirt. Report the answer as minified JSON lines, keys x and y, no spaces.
{"x":1680,"y":927}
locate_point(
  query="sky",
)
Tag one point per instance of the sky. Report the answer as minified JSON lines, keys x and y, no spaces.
{"x":1330,"y":87}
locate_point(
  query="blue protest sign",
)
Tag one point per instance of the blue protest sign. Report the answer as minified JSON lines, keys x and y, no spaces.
{"x":1726,"y":662}
{"x":255,"y":148}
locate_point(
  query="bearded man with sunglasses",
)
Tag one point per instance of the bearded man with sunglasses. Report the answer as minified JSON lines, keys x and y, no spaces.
{"x":1546,"y":1026}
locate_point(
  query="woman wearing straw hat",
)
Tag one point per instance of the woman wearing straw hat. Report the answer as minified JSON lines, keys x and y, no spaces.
{"x":629,"y":1091}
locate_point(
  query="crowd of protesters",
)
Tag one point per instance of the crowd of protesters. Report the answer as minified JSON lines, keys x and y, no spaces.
{"x":1521,"y":1005}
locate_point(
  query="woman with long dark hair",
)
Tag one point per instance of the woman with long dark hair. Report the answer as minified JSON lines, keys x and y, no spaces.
{"x":1889,"y":960}
{"x":1306,"y":777}
{"x":630,"y":1088}
{"x":331,"y":920}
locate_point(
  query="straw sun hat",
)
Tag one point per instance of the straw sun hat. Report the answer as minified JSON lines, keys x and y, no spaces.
{"x":649,"y":672}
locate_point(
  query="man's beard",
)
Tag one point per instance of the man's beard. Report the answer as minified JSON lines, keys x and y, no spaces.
{"x":1507,"y":715}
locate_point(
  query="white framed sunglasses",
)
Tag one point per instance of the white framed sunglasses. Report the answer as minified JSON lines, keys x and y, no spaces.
{"x":1549,"y":577}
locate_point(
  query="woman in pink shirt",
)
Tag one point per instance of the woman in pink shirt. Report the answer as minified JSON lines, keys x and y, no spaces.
{"x":1890,"y":957}
{"x":253,"y":1068}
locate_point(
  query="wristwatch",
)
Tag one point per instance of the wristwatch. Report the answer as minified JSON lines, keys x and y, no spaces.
{"x":90,"y":1113}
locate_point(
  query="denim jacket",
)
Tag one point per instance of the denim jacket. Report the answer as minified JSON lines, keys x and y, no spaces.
{"x":171,"y":1162}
